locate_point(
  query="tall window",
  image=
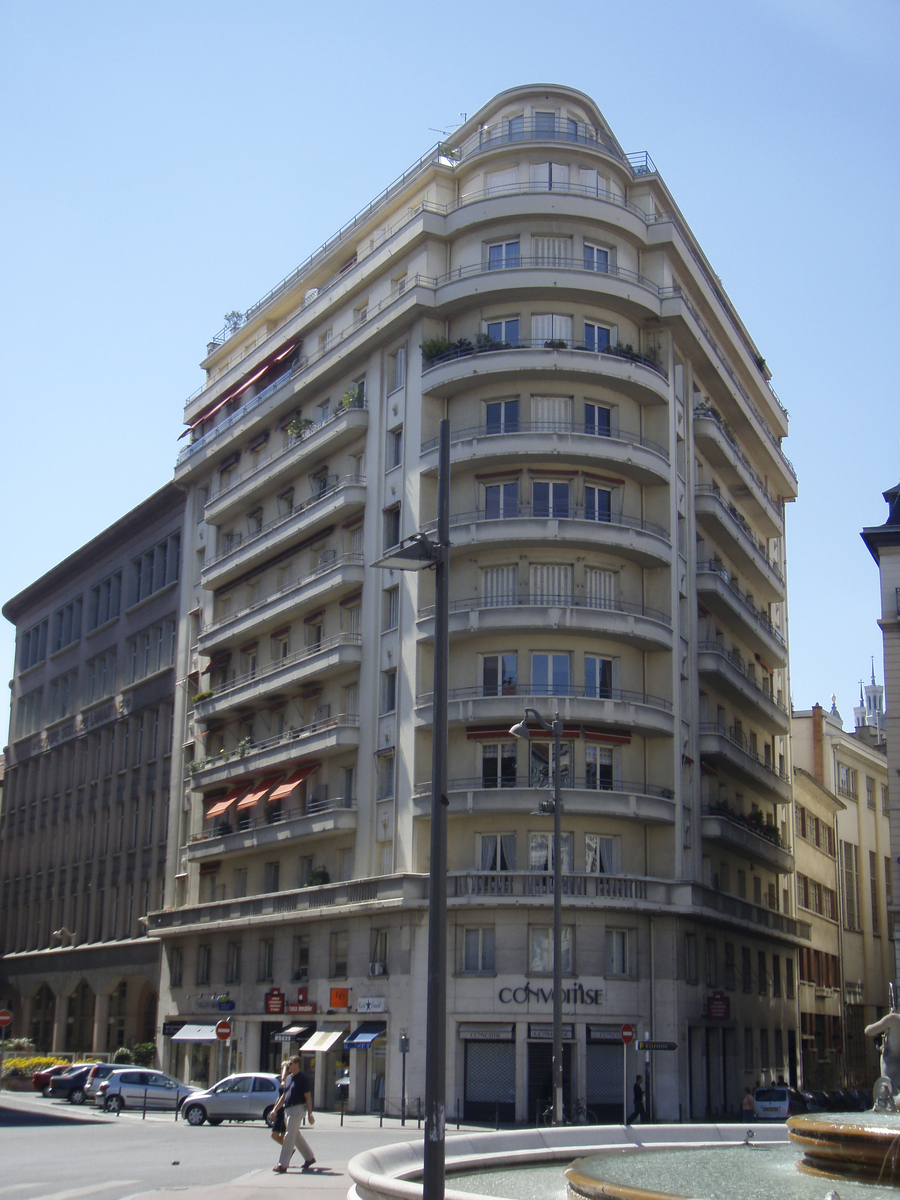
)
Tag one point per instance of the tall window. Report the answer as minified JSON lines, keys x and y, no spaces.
{"x":388,"y":691}
{"x":385,"y":776}
{"x":762,"y":978}
{"x":502,"y":416}
{"x":503,"y":254}
{"x":497,"y":852}
{"x":598,"y":677}
{"x":746,"y":970}
{"x":266,"y":970}
{"x":550,"y":674}
{"x":339,"y":955}
{"x":541,"y":763}
{"x":501,"y":500}
{"x":498,"y":764}
{"x":551,"y":583}
{"x":204,"y":962}
{"x":505,"y":332}
{"x":399,"y":360}
{"x":602,"y":855}
{"x":597,"y":419}
{"x":873,"y":890}
{"x":552,"y":251}
{"x":599,"y":587}
{"x":551,"y":327}
{"x":598,"y":767}
{"x":155,"y":569}
{"x":499,"y":586}
{"x":301,"y":958}
{"x":618,"y":952}
{"x":478,"y":949}
{"x":540,"y":852}
{"x":67,"y":624}
{"x":596,"y":258}
{"x":233,"y":963}
{"x":597,"y":503}
{"x":549,"y":175}
{"x":540,"y":949}
{"x":851,"y":885}
{"x":392,"y":527}
{"x":550,"y":414}
{"x":499,"y":674}
{"x":33,"y":646}
{"x":550,"y":499}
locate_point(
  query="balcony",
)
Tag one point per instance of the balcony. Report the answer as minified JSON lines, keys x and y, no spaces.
{"x":470,"y":367}
{"x":731,"y":748}
{"x":524,"y":525}
{"x":227,"y":839}
{"x":327,"y":735}
{"x":721,"y":594}
{"x":726,"y":527}
{"x":749,"y":837}
{"x":338,"y":499}
{"x":618,"y":620}
{"x":323,"y":659}
{"x":335,"y":576}
{"x":714,"y":437}
{"x":327,"y":436}
{"x":638,"y":457}
{"x":736,"y":679}
{"x":616,"y":709}
{"x":582,"y":796}
{"x":543,"y":129}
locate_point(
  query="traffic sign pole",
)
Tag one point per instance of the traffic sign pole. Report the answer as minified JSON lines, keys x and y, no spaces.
{"x":627,"y":1037}
{"x":5,"y":1019}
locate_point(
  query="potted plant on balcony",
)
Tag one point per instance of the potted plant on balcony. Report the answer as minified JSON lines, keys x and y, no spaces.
{"x":433,"y":348}
{"x":299,"y":426}
{"x":555,"y":344}
{"x":317,"y":877}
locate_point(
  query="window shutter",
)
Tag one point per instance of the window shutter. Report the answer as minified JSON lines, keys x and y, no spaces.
{"x":499,"y":585}
{"x":600,"y":587}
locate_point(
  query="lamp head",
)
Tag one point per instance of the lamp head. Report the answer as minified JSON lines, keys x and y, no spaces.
{"x":521,"y":731}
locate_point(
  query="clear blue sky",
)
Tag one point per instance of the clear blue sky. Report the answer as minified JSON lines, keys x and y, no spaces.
{"x":167,"y":162}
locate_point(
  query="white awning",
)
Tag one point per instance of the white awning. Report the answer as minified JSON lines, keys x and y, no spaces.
{"x":291,"y":1034}
{"x":195,"y":1033}
{"x":322,"y":1041}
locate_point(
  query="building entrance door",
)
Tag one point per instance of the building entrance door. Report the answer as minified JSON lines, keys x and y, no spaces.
{"x":271,"y":1053}
{"x":540,"y":1077}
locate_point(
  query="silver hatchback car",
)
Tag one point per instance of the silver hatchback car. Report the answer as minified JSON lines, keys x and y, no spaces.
{"x":133,"y":1087}
{"x":237,"y":1098}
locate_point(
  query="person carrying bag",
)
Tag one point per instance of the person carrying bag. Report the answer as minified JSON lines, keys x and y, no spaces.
{"x":292,"y":1103}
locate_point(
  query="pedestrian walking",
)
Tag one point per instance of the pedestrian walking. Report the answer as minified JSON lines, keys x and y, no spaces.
{"x":748,"y":1106}
{"x":296,"y":1100}
{"x":638,"y":1093}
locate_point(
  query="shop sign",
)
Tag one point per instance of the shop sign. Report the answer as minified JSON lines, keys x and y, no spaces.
{"x":275,"y":1001}
{"x":544,"y":1033}
{"x":222,"y":1003}
{"x":371,"y":1004}
{"x":717,"y":1006}
{"x":307,"y":1010}
{"x":171,"y":1027}
{"x":340,"y":998}
{"x":303,"y":995}
{"x":576,"y":993}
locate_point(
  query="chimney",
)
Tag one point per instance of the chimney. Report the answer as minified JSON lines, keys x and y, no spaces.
{"x":818,"y":726}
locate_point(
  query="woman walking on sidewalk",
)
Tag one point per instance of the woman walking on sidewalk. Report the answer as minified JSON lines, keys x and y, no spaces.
{"x":296,"y":1100}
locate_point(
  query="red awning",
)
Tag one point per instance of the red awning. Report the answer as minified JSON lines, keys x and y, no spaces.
{"x":292,"y":781}
{"x":259,"y":791}
{"x":226,"y":802}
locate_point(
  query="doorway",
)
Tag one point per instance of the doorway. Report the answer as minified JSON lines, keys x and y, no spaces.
{"x":540,"y":1077}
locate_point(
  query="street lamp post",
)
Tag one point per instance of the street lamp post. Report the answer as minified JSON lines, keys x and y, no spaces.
{"x":422,"y":552}
{"x":521,"y":731}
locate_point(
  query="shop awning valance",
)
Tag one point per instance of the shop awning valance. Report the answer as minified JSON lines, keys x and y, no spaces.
{"x":362,"y":1037}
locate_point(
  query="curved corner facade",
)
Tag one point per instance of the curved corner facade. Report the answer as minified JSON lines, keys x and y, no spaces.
{"x":618,"y":558}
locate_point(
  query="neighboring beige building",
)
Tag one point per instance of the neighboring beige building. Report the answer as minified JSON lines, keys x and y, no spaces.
{"x":618,"y":556}
{"x":853,"y":767}
{"x":86,"y":795}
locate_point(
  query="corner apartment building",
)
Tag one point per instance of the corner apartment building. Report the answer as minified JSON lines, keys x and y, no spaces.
{"x":617,"y":500}
{"x":85,"y":817}
{"x":839,"y":996}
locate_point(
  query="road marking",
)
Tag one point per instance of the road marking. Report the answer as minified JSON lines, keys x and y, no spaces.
{"x":71,"y":1193}
{"x":17,"y":1187}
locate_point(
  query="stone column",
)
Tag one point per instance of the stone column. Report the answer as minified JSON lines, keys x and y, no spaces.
{"x":60,"y":1022}
{"x":101,"y":1022}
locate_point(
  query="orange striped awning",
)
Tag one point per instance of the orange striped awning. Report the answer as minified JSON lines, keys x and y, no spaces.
{"x":256,"y":793}
{"x":216,"y":810}
{"x":292,"y":781}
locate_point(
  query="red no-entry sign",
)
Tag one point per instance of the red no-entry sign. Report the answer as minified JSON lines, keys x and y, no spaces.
{"x":627,"y":1034}
{"x":223,"y":1031}
{"x":5,"y":1018}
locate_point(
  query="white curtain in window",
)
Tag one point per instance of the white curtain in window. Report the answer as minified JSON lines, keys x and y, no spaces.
{"x":551,"y":583}
{"x":498,"y":852}
{"x":589,"y":180}
{"x":602,"y":855}
{"x":600,"y":587}
{"x":551,"y":251}
{"x":497,"y":182}
{"x":499,"y":585}
{"x":549,"y":175}
{"x":547,"y":327}
{"x":551,"y":413}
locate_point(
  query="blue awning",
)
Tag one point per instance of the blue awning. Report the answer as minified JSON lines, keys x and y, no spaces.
{"x":363,"y":1037}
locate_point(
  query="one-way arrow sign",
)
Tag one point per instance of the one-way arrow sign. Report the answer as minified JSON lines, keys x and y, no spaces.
{"x":657,"y":1045}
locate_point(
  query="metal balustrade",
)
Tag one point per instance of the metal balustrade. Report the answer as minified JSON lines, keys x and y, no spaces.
{"x":741,"y":665}
{"x":261,"y":673}
{"x":556,"y":690}
{"x":708,"y":412}
{"x":716,"y":568}
{"x":573,"y":512}
{"x":741,"y":741}
{"x":542,"y":599}
{"x":240,"y":824}
{"x":510,"y":428}
{"x":734,"y":517}
{"x":466,"y":351}
{"x":587,"y":783}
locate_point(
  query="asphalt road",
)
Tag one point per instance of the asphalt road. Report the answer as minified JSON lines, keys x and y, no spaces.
{"x":52,"y":1150}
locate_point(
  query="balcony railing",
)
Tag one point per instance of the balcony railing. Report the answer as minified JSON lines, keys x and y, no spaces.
{"x":738,"y":738}
{"x":279,"y":816}
{"x":511,"y":428}
{"x":761,"y":618}
{"x":741,"y":665}
{"x":557,"y":690}
{"x":248,"y":749}
{"x":735,"y":518}
{"x":549,"y":262}
{"x":279,"y":664}
{"x":753,"y":822}
{"x":587,"y":783}
{"x":707,"y":411}
{"x":237,"y":541}
{"x":572,"y":512}
{"x":542,"y":599}
{"x":466,"y":350}
{"x":331,"y":564}
{"x":540,"y":883}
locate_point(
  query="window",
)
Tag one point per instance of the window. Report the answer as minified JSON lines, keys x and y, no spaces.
{"x":501,"y":416}
{"x":873,"y":888}
{"x":63,"y":695}
{"x":151,"y":650}
{"x":889,"y":896}
{"x":388,"y":691}
{"x":748,"y":1050}
{"x":266,"y":971}
{"x":325,"y":339}
{"x":498,"y":764}
{"x":499,"y":674}
{"x":597,"y":419}
{"x":746,"y":971}
{"x":551,"y":583}
{"x":789,"y":978}
{"x":545,"y":124}
{"x":271,"y":873}
{"x":551,"y":327}
{"x":233,"y":963}
{"x":301,"y":959}
{"x":599,"y":337}
{"x":598,"y":767}
{"x":501,"y":500}
{"x":386,"y":776}
{"x":762,"y":980}
{"x":33,"y":646}
{"x":478,"y":949}
{"x":503,"y":181}
{"x":729,"y":966}
{"x":204,"y":962}
{"x":870,"y":792}
{"x":504,"y":332}
{"x":155,"y":568}
{"x":516,"y":129}
{"x":776,"y":975}
{"x":552,"y":251}
{"x":618,"y":952}
{"x":391,"y":608}
{"x":596,"y":258}
{"x":176,"y":966}
{"x":281,"y":644}
{"x":339,"y":955}
{"x":599,"y":587}
{"x":240,"y":881}
{"x":550,"y":674}
{"x":361,"y":312}
{"x":712,"y":963}
{"x":549,"y":175}
{"x":540,"y":852}
{"x":846,"y":781}
{"x":392,"y":527}
{"x":101,"y":676}
{"x":598,"y":677}
{"x":540,"y":949}
{"x":597,"y":503}
{"x":885,"y":807}
{"x":502,"y":254}
{"x":496,"y":852}
{"x":551,"y":414}
{"x":394,"y":448}
{"x":690,"y":958}
{"x":602,"y":855}
{"x":549,"y":499}
{"x":764,"y":1049}
{"x":67,"y":625}
{"x":540,"y":763}
{"x":851,"y":885}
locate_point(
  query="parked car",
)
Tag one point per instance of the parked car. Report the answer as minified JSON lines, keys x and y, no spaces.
{"x":69,"y":1085}
{"x":97,"y":1074}
{"x":814,"y":1104}
{"x":40,"y":1080}
{"x":778,"y":1102}
{"x":237,"y":1098}
{"x":132,"y":1087}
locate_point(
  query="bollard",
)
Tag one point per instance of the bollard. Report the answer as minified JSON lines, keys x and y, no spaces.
{"x":144,"y":1113}
{"x":457,"y":1114}
{"x":418,"y":1112}
{"x":497,"y":1115}
{"x":342,"y":1108}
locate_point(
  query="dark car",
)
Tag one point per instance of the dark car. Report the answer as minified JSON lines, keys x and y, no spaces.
{"x":40,"y":1080}
{"x":69,"y":1085}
